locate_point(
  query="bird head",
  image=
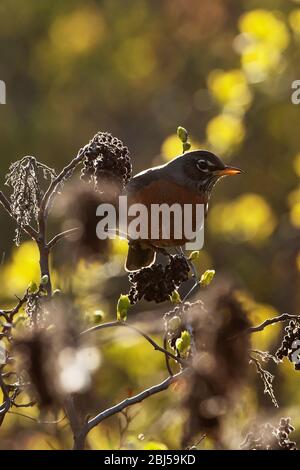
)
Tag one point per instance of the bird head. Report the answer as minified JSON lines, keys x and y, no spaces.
{"x":202,"y":169}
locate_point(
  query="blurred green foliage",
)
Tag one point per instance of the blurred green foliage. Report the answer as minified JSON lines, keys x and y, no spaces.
{"x":139,"y":68}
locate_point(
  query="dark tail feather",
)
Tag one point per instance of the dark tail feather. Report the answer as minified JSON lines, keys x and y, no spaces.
{"x":139,"y":257}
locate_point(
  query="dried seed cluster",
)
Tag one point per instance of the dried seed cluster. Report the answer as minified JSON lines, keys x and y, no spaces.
{"x":106,"y":158}
{"x":158,"y":282}
{"x":23,"y":178}
{"x":289,"y":344}
{"x":268,"y":437}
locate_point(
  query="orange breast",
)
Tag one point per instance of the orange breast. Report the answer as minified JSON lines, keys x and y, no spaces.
{"x":167,"y":192}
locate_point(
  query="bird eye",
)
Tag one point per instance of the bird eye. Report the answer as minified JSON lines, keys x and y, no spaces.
{"x":202,"y":165}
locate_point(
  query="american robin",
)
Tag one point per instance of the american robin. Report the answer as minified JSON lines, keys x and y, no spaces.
{"x":187,"y":179}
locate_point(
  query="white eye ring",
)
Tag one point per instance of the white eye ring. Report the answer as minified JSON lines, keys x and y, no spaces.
{"x":202,"y":165}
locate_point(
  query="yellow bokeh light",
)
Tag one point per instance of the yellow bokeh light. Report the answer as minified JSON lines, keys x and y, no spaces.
{"x":294,"y":197}
{"x":225,"y":133}
{"x":266,"y":27}
{"x":294,"y":203}
{"x":296,"y":164}
{"x":257,"y":313}
{"x":265,"y":38}
{"x":135,"y":58}
{"x":264,"y":340}
{"x":172,"y":146}
{"x":295,"y":214}
{"x":230,"y":89}
{"x":248,"y":218}
{"x":294,"y":20}
{"x":21,"y":270}
{"x":298,"y":261}
{"x":258,"y":60}
{"x":77,"y":32}
{"x":119,"y":247}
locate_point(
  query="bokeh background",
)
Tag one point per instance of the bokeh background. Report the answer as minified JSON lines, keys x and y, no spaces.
{"x":222,"y":69}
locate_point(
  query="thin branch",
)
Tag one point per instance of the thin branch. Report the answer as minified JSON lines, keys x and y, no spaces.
{"x":265,"y":355}
{"x":137,"y":330}
{"x":4,"y":407}
{"x":10,"y":313}
{"x":30,"y":231}
{"x":167,"y":357}
{"x":271,"y":321}
{"x":3,"y":314}
{"x":191,"y":291}
{"x":25,"y":405}
{"x":23,"y":415}
{"x":76,"y":423}
{"x":133,"y":400}
{"x":61,"y":236}
{"x":4,"y":392}
{"x":267,"y":379}
{"x":45,"y":206}
{"x":194,"y":446}
{"x":54,"y":186}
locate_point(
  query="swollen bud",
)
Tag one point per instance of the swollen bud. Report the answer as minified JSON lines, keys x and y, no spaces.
{"x":44,"y":280}
{"x":182,"y":134}
{"x":32,"y":288}
{"x":194,"y":255}
{"x":207,"y":277}
{"x":175,"y":297}
{"x":123,"y":307}
{"x":183,"y":343}
{"x":98,"y":316}
{"x":186,"y":146}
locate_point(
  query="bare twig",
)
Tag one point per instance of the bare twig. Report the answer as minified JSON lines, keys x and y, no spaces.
{"x":132,"y":401}
{"x":123,"y":428}
{"x":79,"y":438}
{"x":271,"y":321}
{"x":194,"y":446}
{"x":267,"y":379}
{"x":9,"y":317}
{"x":13,"y":311}
{"x":167,"y":357}
{"x":4,"y":407}
{"x":23,"y":415}
{"x":6,"y":388}
{"x":137,"y":330}
{"x":45,"y":205}
{"x":265,"y":356}
{"x":191,"y":291}
{"x":76,"y":423}
{"x":25,"y":405}
{"x":55,"y":184}
{"x":61,"y":236}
